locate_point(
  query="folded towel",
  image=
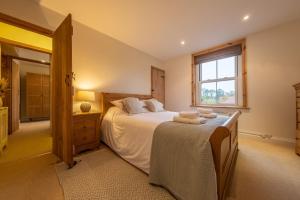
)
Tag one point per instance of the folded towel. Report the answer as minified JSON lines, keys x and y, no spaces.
{"x":205,"y":110}
{"x":189,"y":114}
{"x":198,"y":120}
{"x":208,"y":115}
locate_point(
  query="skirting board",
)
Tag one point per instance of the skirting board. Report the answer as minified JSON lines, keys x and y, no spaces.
{"x":266,"y":136}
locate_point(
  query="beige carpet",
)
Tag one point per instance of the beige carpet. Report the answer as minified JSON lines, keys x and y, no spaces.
{"x":32,"y":179}
{"x":264,"y":171}
{"x":103,"y":175}
{"x":30,"y":140}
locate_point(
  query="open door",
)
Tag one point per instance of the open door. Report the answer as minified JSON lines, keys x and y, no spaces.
{"x":61,"y":91}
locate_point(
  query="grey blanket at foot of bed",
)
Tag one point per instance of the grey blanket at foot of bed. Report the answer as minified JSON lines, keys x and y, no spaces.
{"x":182,"y":161}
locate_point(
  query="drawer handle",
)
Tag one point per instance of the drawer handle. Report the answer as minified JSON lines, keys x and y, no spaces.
{"x":84,"y":126}
{"x":84,"y":138}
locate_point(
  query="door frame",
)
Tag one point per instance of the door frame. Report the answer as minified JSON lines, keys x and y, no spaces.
{"x":37,"y":29}
{"x":27,"y":26}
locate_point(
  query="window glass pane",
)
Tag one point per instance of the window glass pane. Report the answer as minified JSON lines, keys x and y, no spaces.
{"x":208,"y":93}
{"x":226,"y":67}
{"x":226,"y":92}
{"x":209,"y":70}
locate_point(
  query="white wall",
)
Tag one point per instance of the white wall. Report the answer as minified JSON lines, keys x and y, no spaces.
{"x":178,"y":83}
{"x":100,"y":62}
{"x":273,"y":64}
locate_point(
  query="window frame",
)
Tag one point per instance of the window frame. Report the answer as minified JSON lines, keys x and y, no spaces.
{"x":216,"y":80}
{"x":196,"y":98}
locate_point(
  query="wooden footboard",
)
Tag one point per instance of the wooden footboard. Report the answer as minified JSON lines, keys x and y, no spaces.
{"x":224,"y":142}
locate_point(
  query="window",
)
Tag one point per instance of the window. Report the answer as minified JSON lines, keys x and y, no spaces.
{"x":219,"y":77}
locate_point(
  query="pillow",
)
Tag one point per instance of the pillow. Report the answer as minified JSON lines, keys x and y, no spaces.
{"x":119,"y":104}
{"x":143,"y":102}
{"x":154,"y":106}
{"x":133,"y":105}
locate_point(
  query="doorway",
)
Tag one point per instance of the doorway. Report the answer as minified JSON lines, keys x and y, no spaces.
{"x":28,"y":102}
{"x":58,"y":43}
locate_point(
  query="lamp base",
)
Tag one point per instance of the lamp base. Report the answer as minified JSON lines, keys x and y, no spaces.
{"x":85,"y":107}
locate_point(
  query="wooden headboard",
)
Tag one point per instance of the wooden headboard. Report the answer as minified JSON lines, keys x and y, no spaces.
{"x":106,"y":98}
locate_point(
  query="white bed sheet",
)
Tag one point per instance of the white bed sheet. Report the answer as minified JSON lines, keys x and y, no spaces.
{"x":131,"y":135}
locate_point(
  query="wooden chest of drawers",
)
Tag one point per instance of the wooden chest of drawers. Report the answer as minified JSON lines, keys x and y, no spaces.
{"x":3,"y":127}
{"x":297,"y":87}
{"x":86,"y":131}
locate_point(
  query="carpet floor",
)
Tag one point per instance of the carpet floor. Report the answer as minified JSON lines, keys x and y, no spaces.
{"x":32,"y":139}
{"x":103,"y":175}
{"x":264,"y":170}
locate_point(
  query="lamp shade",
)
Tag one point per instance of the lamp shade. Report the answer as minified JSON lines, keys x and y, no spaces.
{"x":83,"y":95}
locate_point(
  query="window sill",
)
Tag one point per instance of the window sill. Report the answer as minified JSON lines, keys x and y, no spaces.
{"x":221,"y":106}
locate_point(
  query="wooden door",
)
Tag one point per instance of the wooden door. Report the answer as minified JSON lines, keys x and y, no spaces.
{"x":46,"y":96}
{"x":158,"y":84}
{"x":61,"y":92}
{"x":15,"y":92}
{"x":34,"y":97}
{"x":6,"y":72}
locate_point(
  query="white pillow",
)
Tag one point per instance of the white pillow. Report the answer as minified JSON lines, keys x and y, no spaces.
{"x":143,"y":102}
{"x":133,"y":105}
{"x":154,"y":106}
{"x":119,"y":104}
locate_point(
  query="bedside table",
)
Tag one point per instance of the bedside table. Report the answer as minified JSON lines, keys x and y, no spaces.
{"x":86,"y":131}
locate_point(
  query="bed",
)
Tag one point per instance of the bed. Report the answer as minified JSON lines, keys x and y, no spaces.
{"x":132,"y":138}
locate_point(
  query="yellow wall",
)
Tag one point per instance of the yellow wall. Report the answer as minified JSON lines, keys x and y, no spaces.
{"x":21,"y":36}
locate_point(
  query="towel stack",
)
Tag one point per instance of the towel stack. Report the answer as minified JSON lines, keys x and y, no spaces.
{"x":206,"y":112}
{"x":189,"y":117}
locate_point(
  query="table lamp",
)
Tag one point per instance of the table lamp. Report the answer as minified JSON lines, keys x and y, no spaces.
{"x":86,"y":97}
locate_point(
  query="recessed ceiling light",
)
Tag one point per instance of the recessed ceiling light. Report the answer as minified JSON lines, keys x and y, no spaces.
{"x":246,"y":17}
{"x":182,"y":42}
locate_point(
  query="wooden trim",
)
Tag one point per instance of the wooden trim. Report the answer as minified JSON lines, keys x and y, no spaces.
{"x":25,"y":25}
{"x":22,"y":45}
{"x":30,"y":60}
{"x":152,"y":67}
{"x":244,"y":70}
{"x":244,"y":73}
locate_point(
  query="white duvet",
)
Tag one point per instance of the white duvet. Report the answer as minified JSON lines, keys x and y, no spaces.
{"x":131,"y":135}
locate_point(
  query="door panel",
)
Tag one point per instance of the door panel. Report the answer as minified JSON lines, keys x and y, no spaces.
{"x":15,"y":96}
{"x":46,"y":95}
{"x":158,"y":84}
{"x":61,"y":92}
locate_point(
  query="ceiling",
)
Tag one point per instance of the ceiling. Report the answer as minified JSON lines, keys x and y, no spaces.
{"x":157,"y":26}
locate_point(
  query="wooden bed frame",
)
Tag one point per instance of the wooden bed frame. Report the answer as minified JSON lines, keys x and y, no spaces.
{"x":224,"y":142}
